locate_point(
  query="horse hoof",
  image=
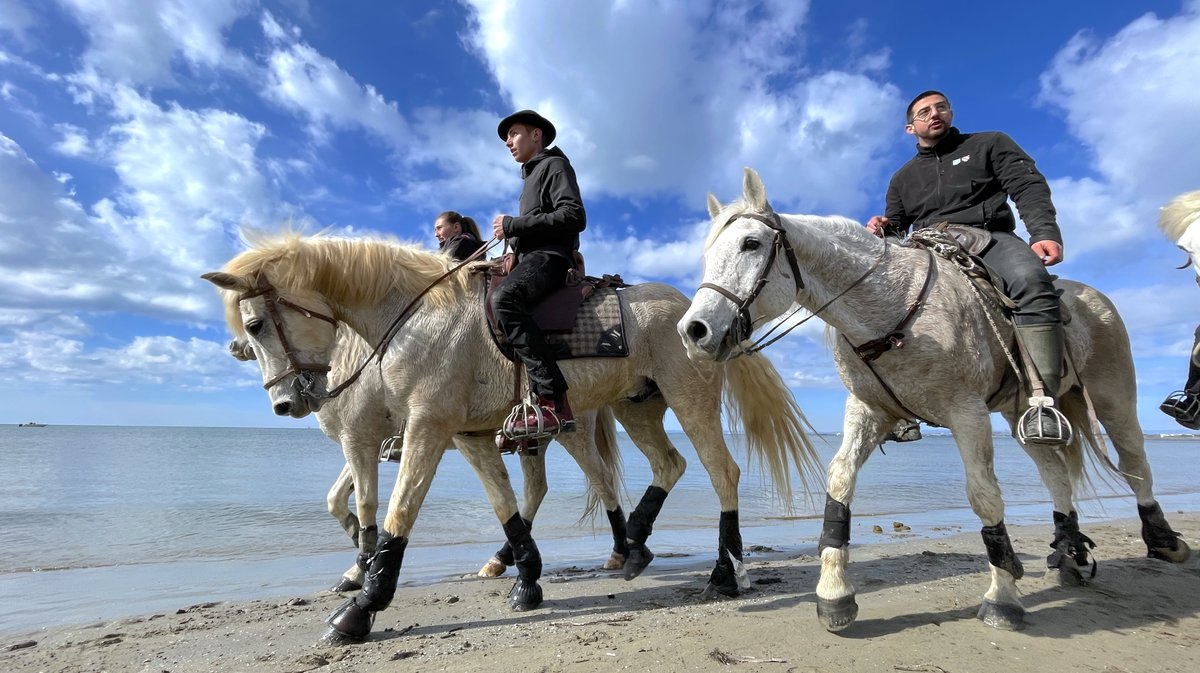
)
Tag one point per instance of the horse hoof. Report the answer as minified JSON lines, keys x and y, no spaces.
{"x":838,"y":613}
{"x":1002,"y":615}
{"x":639,"y":558}
{"x":525,"y":596}
{"x":1179,"y":554}
{"x":343,"y":585}
{"x":348,"y":624}
{"x":493,"y":568}
{"x":615,"y":562}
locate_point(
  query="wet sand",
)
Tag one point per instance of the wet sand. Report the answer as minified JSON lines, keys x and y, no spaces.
{"x":917,"y":596}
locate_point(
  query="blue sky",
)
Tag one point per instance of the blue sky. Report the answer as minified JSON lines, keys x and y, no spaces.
{"x":137,"y":137}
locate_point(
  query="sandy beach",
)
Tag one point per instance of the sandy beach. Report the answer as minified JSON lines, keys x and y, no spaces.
{"x":917,"y":598}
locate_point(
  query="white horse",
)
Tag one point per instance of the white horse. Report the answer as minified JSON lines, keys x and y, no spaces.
{"x":943,"y":356}
{"x":443,"y":377}
{"x":1180,"y":221}
{"x":359,"y":421}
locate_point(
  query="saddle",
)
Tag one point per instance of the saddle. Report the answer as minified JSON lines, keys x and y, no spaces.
{"x":582,"y":319}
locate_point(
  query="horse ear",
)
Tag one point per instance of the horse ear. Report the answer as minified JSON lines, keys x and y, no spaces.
{"x":226,"y":281}
{"x":714,"y":206}
{"x":242,"y":350}
{"x":754,"y":193}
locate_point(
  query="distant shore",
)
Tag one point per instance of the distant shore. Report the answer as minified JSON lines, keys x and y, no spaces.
{"x":917,"y":601}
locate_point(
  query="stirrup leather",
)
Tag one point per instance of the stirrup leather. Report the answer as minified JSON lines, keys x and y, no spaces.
{"x":1039,"y":408}
{"x":518,"y":425}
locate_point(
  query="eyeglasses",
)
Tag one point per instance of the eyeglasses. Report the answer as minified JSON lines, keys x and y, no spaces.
{"x":924,"y":113}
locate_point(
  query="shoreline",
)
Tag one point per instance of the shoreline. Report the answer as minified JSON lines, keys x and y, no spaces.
{"x":917,"y":599}
{"x":120,"y":592}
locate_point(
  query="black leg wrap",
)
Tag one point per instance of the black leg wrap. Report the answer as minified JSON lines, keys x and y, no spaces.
{"x":641,"y":524}
{"x":1156,"y":532}
{"x":1000,"y":552}
{"x":835,"y":532}
{"x":526,"y":594}
{"x":505,"y":553}
{"x":724,"y":576}
{"x":616,"y":520}
{"x":641,"y":521}
{"x":352,"y":621}
{"x":380,"y":584}
{"x":1069,"y":543}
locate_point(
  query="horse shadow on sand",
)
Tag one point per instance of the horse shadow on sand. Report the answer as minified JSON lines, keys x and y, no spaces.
{"x":1128,"y":593}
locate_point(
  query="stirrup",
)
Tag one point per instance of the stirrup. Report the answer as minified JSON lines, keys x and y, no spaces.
{"x":517,"y":426}
{"x":1039,"y":409}
{"x":522,"y":447}
{"x":390,"y":449}
{"x":1184,"y":407}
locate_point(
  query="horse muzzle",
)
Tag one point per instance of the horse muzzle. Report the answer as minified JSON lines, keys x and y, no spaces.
{"x":702,"y":342}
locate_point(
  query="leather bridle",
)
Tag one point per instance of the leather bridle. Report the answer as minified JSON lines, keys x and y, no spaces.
{"x":743,"y":324}
{"x":305,"y":372}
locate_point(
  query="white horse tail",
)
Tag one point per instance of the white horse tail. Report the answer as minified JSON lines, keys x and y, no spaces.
{"x":609,"y":452}
{"x":1085,"y":437}
{"x":756,"y":396}
{"x":1179,"y":214}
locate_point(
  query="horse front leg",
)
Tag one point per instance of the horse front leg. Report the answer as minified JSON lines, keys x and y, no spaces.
{"x":362,"y":462}
{"x":421,"y":454}
{"x":534,"y":470}
{"x":1001,"y":607}
{"x":481,"y":454}
{"x":336,"y":503}
{"x":863,"y":427}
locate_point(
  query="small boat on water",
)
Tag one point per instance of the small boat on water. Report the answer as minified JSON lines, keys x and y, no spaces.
{"x":31,"y":424}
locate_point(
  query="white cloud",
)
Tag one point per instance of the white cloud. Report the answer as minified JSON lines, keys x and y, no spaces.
{"x":654,"y":98}
{"x":74,"y":142}
{"x":15,"y":19}
{"x":313,"y":86}
{"x":1132,"y":101}
{"x":136,"y":42}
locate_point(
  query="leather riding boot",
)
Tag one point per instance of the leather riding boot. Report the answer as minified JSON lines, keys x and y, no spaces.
{"x":1044,"y":344}
{"x":545,"y":418}
{"x":1184,"y":407}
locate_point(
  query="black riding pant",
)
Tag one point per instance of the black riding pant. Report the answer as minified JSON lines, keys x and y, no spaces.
{"x":1023,"y":278}
{"x":536,"y":275}
{"x":1193,"y":379}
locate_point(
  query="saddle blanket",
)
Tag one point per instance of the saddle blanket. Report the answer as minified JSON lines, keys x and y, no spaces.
{"x":599,"y":330}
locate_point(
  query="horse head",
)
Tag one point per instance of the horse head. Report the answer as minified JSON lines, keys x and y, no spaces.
{"x":289,"y":332}
{"x":745,"y":284}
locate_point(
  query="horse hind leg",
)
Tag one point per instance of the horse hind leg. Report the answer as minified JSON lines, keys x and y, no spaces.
{"x":1059,"y":471}
{"x":643,"y":422}
{"x":1116,"y":408}
{"x":533,"y":467}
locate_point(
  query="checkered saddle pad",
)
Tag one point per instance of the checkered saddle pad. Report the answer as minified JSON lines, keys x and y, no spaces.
{"x":585,"y":319}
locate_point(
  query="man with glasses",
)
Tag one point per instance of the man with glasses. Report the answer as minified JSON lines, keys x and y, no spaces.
{"x":967,"y":179}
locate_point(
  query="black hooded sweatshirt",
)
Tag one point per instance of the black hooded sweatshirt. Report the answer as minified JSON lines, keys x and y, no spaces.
{"x":552,"y":212}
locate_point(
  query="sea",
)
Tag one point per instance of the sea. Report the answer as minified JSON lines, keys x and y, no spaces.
{"x":104,"y":522}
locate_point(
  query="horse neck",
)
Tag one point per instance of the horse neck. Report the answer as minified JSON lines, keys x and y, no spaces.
{"x":833,"y":255}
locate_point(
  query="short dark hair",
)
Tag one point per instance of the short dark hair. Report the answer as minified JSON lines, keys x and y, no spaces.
{"x":908,"y":113}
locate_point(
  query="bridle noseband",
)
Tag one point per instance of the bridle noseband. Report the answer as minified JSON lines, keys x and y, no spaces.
{"x":305,"y":373}
{"x":743,"y":324}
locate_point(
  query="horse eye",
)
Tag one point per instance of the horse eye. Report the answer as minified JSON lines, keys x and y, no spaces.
{"x":254,"y":327}
{"x":751,"y":244}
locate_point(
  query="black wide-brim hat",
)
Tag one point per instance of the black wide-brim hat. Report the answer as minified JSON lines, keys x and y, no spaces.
{"x":532,"y":119}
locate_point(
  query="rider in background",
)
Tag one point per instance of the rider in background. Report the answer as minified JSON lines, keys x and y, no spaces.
{"x":457,"y":235}
{"x":967,"y":179}
{"x":1180,"y":220}
{"x":544,"y":238}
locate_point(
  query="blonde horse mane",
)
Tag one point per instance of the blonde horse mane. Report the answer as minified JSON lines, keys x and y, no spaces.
{"x":1179,"y":214}
{"x":346,"y":271}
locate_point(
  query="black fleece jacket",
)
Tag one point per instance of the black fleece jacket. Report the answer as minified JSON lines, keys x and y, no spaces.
{"x":967,"y":178}
{"x":552,"y":212}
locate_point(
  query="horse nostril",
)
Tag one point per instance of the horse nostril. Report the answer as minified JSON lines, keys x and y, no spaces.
{"x":283,"y":408}
{"x":697,"y":330}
